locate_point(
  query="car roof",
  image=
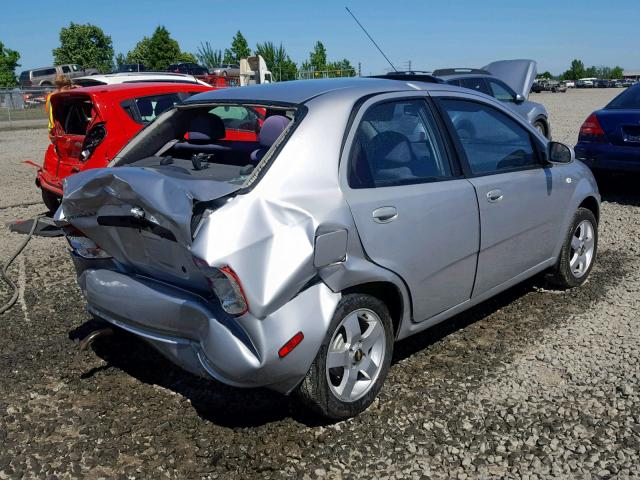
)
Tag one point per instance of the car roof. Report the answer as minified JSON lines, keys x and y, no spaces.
{"x":301,"y":91}
{"x":142,"y":88}
{"x":106,"y":77}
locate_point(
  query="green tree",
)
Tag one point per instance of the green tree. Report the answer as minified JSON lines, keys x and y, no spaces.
{"x":546,"y":75}
{"x":318,"y":57}
{"x":86,"y":45}
{"x":8,"y":64}
{"x":342,"y":68}
{"x":239,"y":49}
{"x":277,"y":60}
{"x":207,"y":56}
{"x":592,"y":71}
{"x":121,"y":59}
{"x":617,"y":72}
{"x":158,"y":51}
{"x":576,"y":71}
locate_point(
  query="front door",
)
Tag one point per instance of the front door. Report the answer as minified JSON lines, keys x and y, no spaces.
{"x":415,"y":215}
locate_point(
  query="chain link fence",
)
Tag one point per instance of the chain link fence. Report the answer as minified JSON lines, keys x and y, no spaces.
{"x":23,"y":105}
{"x":311,"y":74}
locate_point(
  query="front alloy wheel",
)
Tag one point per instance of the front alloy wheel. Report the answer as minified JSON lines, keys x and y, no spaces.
{"x":578,"y":251}
{"x":583,"y":247}
{"x":353,"y":360}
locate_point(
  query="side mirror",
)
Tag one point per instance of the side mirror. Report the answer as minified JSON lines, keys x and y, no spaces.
{"x":519,"y":98}
{"x":560,"y":153}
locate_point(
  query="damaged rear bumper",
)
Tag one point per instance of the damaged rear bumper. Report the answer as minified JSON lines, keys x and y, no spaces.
{"x":199,"y":337}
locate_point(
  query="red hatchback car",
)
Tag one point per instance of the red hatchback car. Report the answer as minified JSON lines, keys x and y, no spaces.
{"x":92,"y":125}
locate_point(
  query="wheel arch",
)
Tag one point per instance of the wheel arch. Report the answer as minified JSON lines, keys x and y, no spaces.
{"x":386,"y":292}
{"x":590,"y":203}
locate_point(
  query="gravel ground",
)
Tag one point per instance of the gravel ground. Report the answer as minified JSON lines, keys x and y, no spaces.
{"x":531,"y":384}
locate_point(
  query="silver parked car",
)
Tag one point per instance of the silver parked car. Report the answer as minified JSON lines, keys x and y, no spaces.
{"x":226,"y":70}
{"x":367,"y":210}
{"x":509,"y":81}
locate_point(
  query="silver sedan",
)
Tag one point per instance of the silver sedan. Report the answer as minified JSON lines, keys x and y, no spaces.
{"x":362,"y":212}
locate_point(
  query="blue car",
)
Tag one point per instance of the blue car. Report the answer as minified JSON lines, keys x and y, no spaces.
{"x":609,"y":139}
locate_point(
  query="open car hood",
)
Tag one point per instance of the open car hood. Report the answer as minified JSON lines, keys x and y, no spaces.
{"x":518,"y":74}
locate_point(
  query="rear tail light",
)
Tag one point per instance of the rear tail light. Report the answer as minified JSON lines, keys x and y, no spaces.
{"x":226,"y":286}
{"x":591,"y":130}
{"x":92,"y":140}
{"x":84,"y":246}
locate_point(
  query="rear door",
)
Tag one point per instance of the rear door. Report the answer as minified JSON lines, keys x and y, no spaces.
{"x":415,"y":214}
{"x":517,"y":194}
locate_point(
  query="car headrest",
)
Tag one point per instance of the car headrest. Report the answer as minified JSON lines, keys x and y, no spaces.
{"x":206,"y":128}
{"x":390,"y":148}
{"x":272,"y":128}
{"x":145,"y":107}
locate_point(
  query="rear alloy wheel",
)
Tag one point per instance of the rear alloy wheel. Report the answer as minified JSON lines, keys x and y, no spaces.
{"x":353,"y":361}
{"x":578,"y":252}
{"x":51,"y":200}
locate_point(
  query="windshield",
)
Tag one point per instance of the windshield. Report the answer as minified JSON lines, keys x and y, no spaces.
{"x":630,"y":98}
{"x":227,"y":143}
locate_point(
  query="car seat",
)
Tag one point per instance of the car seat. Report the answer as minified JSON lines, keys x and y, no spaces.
{"x":204,"y":130}
{"x":391,"y":156}
{"x":271,"y":129}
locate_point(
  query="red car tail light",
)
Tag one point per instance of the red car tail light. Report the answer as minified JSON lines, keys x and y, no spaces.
{"x":226,"y":286}
{"x":91,"y":141}
{"x":591,"y":130}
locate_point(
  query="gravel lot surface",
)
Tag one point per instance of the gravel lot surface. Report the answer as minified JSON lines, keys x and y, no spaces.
{"x":531,"y":384}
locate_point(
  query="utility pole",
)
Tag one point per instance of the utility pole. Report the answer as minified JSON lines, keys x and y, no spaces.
{"x":359,"y":69}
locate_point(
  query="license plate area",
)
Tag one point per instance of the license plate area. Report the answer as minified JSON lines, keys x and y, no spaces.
{"x":631,"y":133}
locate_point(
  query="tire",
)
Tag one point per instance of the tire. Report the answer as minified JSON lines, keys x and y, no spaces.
{"x":320,"y":389}
{"x":51,"y":200}
{"x":567,"y":273}
{"x":541,"y":127}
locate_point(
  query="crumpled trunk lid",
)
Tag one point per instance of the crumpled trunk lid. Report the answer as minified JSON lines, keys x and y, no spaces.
{"x":141,"y":216}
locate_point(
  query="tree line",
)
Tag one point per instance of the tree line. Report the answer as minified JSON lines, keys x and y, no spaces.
{"x":577,"y":71}
{"x":89,"y":46}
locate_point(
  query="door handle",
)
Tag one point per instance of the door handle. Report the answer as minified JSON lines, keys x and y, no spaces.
{"x":385,"y":214}
{"x":494,"y":195}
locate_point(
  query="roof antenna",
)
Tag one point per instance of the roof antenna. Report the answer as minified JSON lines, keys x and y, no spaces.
{"x":370,"y":38}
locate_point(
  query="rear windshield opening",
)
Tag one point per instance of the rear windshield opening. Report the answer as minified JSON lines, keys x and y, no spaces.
{"x":73,"y":115}
{"x":221,"y":142}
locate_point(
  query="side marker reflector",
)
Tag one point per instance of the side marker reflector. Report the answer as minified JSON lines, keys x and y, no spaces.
{"x":288,"y":347}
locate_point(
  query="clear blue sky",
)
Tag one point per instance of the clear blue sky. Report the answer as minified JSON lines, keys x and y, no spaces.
{"x":430,"y":33}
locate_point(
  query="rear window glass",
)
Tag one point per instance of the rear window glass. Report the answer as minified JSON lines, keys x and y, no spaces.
{"x":44,"y":71}
{"x":630,"y":98}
